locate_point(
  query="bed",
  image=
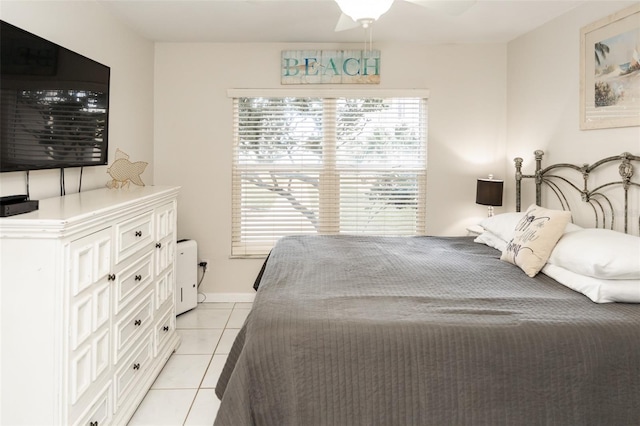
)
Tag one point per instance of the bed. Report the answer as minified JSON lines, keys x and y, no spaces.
{"x":349,"y":330}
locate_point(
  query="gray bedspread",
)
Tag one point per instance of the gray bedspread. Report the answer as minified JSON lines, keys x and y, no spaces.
{"x":425,"y":331}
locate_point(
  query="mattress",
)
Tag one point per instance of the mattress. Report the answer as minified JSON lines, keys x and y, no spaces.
{"x":350,"y":330}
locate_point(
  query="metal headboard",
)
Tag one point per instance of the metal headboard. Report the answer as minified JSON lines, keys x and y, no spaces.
{"x":609,"y":201}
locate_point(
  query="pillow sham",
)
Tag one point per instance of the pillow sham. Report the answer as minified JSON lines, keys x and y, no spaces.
{"x":599,"y":253}
{"x":535,"y":236}
{"x":596,"y":289}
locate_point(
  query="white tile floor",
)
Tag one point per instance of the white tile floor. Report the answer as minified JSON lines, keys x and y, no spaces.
{"x":184,"y":392}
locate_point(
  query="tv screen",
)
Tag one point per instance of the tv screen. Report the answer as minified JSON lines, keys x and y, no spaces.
{"x":54,"y":106}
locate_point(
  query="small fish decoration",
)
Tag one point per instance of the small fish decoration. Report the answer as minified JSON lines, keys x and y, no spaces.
{"x":123,"y":171}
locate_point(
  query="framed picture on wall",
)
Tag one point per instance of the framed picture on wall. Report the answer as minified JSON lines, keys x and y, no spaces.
{"x":610,"y":71}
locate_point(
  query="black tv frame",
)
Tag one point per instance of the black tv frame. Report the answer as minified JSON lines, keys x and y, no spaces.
{"x":54,"y":108}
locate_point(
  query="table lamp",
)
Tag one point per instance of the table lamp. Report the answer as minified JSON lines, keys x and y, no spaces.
{"x":489,"y":193}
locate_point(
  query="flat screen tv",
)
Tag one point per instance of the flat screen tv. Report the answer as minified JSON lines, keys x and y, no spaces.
{"x":54,"y":107}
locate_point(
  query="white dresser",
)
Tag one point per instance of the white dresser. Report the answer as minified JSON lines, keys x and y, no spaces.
{"x":88,"y":314}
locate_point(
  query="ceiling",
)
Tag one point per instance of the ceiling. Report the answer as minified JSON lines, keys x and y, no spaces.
{"x":292,"y":21}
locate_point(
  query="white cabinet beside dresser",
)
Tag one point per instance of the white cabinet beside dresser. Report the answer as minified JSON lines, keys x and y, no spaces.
{"x":88,"y":314}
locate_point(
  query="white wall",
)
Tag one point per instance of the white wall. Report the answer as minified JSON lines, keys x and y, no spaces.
{"x":87,"y":28}
{"x":193,"y":131}
{"x":543,"y":96}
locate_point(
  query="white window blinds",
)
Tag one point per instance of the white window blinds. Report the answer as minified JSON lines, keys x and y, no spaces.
{"x":305,"y":165}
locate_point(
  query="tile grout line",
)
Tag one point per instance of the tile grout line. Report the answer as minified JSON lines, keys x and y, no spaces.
{"x":208,"y":366}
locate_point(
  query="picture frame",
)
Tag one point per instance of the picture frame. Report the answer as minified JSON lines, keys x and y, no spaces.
{"x":609,"y":64}
{"x":330,"y":67}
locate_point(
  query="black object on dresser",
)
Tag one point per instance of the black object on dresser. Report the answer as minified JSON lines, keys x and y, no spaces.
{"x":11,"y":205}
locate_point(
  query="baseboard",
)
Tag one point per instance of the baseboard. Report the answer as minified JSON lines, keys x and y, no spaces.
{"x":227,"y":297}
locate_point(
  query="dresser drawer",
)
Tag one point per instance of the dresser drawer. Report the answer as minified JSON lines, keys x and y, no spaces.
{"x":165,"y":254}
{"x":99,"y":411}
{"x":131,"y":326}
{"x":132,"y":235}
{"x":163,"y":330}
{"x":132,"y":369}
{"x":132,"y":280}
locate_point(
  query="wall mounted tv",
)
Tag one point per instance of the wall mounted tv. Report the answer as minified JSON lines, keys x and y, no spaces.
{"x":54,"y":106}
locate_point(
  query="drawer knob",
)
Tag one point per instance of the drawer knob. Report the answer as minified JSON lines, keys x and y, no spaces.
{"x":111,"y":277}
{"x":158,"y":245}
{"x":137,"y":322}
{"x":136,"y":366}
{"x":138,"y":277}
{"x":165,"y":328}
{"x":138,"y":234}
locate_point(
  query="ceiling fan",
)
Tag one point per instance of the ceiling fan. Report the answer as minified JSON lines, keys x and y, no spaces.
{"x":362,"y":13}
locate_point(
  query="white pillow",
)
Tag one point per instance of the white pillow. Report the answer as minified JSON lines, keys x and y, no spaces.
{"x":536,"y":234}
{"x":492,"y":240}
{"x":502,"y":225}
{"x":599,"y":253}
{"x":572,"y":227}
{"x":598,"y":290}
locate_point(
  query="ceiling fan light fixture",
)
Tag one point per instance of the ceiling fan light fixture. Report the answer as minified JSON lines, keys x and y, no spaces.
{"x":364,"y":11}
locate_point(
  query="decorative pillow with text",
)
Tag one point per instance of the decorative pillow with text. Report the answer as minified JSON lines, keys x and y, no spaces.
{"x":535,"y":236}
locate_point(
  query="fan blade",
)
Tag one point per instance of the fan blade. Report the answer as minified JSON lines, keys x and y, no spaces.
{"x":451,"y":7}
{"x":346,"y":23}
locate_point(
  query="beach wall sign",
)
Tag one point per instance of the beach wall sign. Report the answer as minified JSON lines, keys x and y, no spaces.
{"x":330,"y":67}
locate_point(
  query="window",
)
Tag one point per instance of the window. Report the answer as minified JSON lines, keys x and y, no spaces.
{"x":326,"y":165}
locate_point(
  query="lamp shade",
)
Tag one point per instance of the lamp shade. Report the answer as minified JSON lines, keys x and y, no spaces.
{"x":364,"y":10}
{"x":489,"y":192}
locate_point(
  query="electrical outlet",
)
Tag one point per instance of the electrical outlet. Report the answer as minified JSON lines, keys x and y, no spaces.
{"x":204,"y":264}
